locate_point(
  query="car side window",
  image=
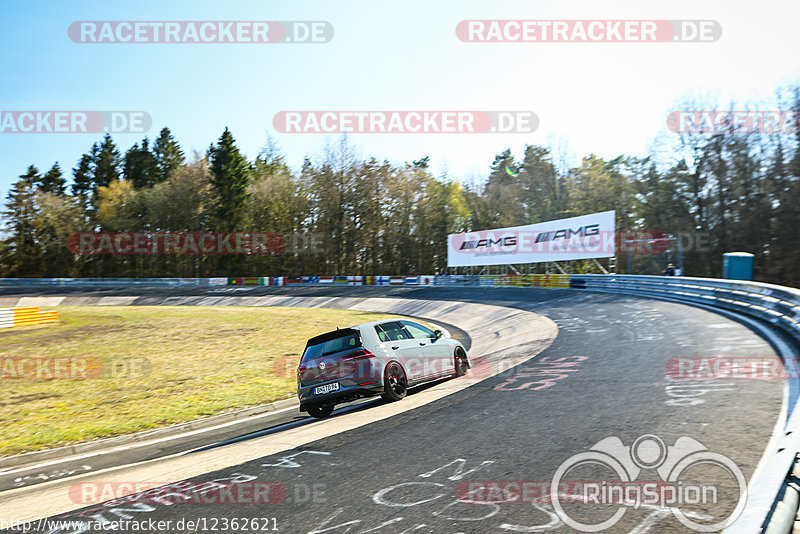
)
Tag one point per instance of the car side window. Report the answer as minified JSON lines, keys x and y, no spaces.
{"x":381,"y":334}
{"x":392,"y":331}
{"x":417,"y":330}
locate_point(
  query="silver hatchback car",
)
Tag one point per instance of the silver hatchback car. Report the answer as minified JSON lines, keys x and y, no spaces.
{"x":378,"y":358}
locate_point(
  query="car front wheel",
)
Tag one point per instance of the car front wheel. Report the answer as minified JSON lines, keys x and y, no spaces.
{"x":461,"y":362}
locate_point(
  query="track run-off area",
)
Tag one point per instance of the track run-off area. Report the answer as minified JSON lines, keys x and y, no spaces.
{"x":557,"y":373}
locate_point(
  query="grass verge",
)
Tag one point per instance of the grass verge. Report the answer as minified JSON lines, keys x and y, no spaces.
{"x":152,"y":366}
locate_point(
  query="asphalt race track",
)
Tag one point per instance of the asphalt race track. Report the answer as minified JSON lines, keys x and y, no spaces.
{"x":438,"y":468}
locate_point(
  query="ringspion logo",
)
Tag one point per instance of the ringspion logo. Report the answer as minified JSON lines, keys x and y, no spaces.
{"x":689,"y":487}
{"x":199,"y":31}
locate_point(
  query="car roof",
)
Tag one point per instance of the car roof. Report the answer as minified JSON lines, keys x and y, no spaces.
{"x":380,"y":321}
{"x":361,"y":328}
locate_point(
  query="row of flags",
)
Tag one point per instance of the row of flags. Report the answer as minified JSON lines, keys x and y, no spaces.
{"x":333,"y":280}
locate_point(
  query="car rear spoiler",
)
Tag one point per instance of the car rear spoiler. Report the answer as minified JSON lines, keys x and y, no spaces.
{"x":342,"y":332}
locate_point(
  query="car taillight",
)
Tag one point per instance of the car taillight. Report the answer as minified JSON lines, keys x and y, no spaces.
{"x":301,"y":370}
{"x":360,"y":354}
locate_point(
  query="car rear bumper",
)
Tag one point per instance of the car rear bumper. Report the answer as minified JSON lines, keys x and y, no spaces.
{"x":345,"y":394}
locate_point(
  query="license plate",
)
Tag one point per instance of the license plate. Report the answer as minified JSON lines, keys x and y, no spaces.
{"x":327,"y":388}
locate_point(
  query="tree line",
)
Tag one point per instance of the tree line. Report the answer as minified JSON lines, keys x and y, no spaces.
{"x":342,"y":213}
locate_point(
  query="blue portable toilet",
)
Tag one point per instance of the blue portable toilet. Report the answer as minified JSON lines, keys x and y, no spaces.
{"x":737,"y":265}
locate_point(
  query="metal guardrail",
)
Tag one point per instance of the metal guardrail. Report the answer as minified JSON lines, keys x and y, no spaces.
{"x":778,"y":305}
{"x":773,"y":495}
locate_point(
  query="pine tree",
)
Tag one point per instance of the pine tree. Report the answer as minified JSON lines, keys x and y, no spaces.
{"x":141,"y":166}
{"x":82,"y":179}
{"x":107,"y":162}
{"x":270,"y":160}
{"x":168,"y":154}
{"x":504,"y":192}
{"x":19,"y":214}
{"x":499,"y":171}
{"x":53,"y":181}
{"x":422,"y":163}
{"x":230,"y":178}
{"x":544,"y":193}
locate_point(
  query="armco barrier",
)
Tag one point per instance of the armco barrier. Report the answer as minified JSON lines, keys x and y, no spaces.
{"x":248,"y":281}
{"x":505,"y":280}
{"x":533,"y":280}
{"x":772,"y":505}
{"x":25,"y":316}
{"x":777,"y":305}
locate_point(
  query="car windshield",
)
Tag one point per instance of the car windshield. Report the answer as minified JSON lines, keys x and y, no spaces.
{"x":417,"y":330}
{"x":331,"y":343}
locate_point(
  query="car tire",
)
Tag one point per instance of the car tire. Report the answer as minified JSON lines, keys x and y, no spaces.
{"x":395,"y":384}
{"x":320,"y":411}
{"x":461,"y":362}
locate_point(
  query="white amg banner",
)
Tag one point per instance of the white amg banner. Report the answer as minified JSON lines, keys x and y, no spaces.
{"x":576,"y":238}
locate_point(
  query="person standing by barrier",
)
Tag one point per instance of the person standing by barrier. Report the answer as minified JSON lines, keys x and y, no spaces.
{"x":670,"y":270}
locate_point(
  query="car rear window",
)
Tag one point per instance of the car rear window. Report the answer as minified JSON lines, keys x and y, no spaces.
{"x":331,"y":343}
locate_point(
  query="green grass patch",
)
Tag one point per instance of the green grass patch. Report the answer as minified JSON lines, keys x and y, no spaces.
{"x":161,"y":365}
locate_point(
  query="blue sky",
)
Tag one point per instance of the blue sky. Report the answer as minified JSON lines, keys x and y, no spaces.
{"x":605,"y":98}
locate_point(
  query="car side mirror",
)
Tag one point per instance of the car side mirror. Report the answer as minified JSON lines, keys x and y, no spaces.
{"x":437,"y":334}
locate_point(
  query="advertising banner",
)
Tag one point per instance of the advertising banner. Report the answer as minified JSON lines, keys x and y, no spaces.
{"x":576,"y":238}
